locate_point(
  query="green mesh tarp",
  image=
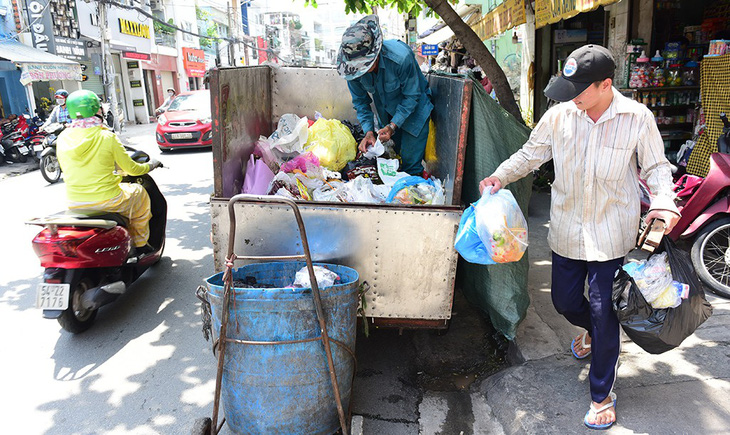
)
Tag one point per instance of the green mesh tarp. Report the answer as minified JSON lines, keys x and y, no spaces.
{"x":499,"y":291}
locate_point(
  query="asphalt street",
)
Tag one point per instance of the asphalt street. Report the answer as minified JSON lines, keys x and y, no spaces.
{"x":144,"y":368}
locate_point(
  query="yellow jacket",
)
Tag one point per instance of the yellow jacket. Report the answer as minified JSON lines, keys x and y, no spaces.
{"x":87,"y":157}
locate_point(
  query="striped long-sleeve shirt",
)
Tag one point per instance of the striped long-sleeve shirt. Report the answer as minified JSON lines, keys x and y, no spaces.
{"x":595,"y":204}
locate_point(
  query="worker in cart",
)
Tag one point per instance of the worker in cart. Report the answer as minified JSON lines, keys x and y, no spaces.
{"x":595,"y":137}
{"x":386,"y":73}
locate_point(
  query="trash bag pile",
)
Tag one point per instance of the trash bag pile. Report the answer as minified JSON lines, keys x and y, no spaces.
{"x":639,"y":289}
{"x":653,"y":277}
{"x":492,"y":230}
{"x":319,"y":161}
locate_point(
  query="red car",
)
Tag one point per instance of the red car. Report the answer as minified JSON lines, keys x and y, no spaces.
{"x":186,"y":122}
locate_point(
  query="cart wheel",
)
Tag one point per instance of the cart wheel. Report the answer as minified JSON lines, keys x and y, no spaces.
{"x":201,"y":426}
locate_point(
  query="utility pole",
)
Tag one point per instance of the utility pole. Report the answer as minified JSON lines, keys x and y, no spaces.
{"x":231,"y":53}
{"x":236,"y":30}
{"x":107,"y":64}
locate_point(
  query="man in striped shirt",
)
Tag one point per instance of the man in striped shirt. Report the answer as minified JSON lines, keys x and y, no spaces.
{"x":597,"y":139}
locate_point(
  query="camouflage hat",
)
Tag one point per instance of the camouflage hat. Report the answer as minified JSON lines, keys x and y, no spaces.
{"x":361,"y":44}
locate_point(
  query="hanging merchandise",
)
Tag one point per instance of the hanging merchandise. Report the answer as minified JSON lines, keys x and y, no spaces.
{"x":258,"y":177}
{"x":332,"y":143}
{"x":501,"y":226}
{"x":640,"y":72}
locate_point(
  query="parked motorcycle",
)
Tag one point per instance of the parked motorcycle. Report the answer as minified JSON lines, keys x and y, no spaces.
{"x":50,"y":169}
{"x":89,"y":258}
{"x":13,"y":144}
{"x":705,"y":207}
{"x":34,"y":136}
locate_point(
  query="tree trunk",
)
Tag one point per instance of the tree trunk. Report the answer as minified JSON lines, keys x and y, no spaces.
{"x":476,"y":48}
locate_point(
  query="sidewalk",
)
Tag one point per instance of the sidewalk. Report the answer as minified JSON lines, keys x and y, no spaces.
{"x":683,"y":391}
{"x":14,"y":169}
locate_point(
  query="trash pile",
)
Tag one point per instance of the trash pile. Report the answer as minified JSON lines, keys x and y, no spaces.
{"x":319,"y":161}
{"x":325,"y":278}
{"x":653,"y":277}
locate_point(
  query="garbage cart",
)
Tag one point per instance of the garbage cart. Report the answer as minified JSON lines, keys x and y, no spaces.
{"x":405,"y":252}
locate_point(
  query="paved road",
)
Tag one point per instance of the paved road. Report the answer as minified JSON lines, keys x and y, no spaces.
{"x":144,"y":368}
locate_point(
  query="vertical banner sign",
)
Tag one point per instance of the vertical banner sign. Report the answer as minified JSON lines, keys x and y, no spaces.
{"x":552,"y":11}
{"x":507,"y":15}
{"x":42,"y":28}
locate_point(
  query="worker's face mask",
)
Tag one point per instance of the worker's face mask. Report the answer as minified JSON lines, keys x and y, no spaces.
{"x":60,"y":101}
{"x":171,"y":94}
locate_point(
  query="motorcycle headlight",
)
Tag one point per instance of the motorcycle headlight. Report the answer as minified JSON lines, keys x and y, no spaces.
{"x":162,"y":120}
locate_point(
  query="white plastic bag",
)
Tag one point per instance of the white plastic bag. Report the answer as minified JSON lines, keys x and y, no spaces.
{"x":501,"y":226}
{"x":376,"y":150}
{"x":388,"y":171}
{"x":653,"y":277}
{"x":362,"y":189}
{"x":325,"y":278}
{"x":291,"y":134}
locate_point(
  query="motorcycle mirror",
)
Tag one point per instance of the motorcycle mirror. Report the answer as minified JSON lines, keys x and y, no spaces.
{"x":140,"y":157}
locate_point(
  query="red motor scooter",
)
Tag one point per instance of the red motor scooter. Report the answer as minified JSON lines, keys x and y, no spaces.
{"x":89,"y":258}
{"x":705,"y":207}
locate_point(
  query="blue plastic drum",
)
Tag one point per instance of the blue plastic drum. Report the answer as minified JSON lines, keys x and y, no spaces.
{"x":284,"y":388}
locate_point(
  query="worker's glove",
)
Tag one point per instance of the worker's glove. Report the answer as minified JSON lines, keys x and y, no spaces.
{"x":154,"y":164}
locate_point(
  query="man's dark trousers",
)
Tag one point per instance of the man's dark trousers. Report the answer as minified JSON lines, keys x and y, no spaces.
{"x":595,"y":314}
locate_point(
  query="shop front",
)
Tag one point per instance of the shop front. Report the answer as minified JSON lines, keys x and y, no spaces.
{"x":160,"y":74}
{"x":130,"y":40}
{"x":678,"y":66}
{"x":194,"y":64}
{"x":27,"y":66}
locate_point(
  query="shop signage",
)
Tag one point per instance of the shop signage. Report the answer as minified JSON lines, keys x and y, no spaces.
{"x":561,"y":36}
{"x":41,"y":29}
{"x":429,"y":50}
{"x":34,"y":72}
{"x":135,"y":83}
{"x":72,"y":49}
{"x":507,"y":15}
{"x":133,"y":28}
{"x":194,"y":61}
{"x":551,"y":11}
{"x":134,"y":55}
{"x":133,"y":65}
{"x":138,"y":103}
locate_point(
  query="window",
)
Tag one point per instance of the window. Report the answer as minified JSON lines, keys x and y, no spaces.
{"x":189,"y":27}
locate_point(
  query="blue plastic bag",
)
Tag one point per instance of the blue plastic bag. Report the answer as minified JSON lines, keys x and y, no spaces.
{"x":468,"y":243}
{"x":492,"y":230}
{"x":405,"y":182}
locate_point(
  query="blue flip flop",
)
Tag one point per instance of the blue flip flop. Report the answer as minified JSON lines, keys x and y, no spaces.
{"x":583,"y":344}
{"x":595,"y":411}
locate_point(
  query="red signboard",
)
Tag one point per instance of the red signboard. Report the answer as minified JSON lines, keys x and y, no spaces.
{"x":134,"y":55}
{"x":194,"y":61}
{"x":263,"y":54}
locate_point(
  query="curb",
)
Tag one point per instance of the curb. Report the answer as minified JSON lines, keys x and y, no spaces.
{"x":14,"y":169}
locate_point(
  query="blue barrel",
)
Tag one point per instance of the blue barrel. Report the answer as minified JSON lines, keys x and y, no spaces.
{"x":285,"y":388}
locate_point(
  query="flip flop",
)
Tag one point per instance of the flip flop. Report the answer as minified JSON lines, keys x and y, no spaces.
{"x":595,"y":412}
{"x":583,"y":344}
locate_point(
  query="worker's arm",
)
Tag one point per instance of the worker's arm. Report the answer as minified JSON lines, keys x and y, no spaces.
{"x":53,"y":117}
{"x":122,"y":159}
{"x":361,"y":101}
{"x":408,"y":75}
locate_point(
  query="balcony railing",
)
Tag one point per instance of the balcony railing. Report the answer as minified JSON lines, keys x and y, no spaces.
{"x":165,"y":39}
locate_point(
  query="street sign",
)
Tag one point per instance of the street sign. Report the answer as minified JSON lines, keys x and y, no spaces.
{"x":135,"y":83}
{"x":138,"y":103}
{"x":429,"y":50}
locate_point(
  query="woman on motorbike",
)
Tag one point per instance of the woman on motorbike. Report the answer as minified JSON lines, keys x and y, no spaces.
{"x":89,"y":154}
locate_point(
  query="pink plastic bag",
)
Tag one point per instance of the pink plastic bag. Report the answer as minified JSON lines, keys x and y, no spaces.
{"x":258,"y":177}
{"x":300,"y":162}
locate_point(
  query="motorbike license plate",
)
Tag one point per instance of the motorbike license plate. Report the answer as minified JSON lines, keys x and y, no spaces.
{"x":181,"y":136}
{"x":52,"y":296}
{"x":23,"y":149}
{"x":38,"y":148}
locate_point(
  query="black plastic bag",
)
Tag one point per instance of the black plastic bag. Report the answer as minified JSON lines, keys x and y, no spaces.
{"x":659,"y":330}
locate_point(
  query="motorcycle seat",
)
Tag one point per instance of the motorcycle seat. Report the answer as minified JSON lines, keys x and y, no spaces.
{"x":82,"y":218}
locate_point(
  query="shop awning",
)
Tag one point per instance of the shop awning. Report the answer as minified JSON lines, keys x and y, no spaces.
{"x":549,"y":12}
{"x":38,"y":65}
{"x":441,"y":32}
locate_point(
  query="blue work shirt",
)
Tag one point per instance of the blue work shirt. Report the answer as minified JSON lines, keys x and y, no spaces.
{"x":398,"y":89}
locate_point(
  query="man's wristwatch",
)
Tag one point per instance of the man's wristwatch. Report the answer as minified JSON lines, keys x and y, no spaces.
{"x":392,"y":126}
